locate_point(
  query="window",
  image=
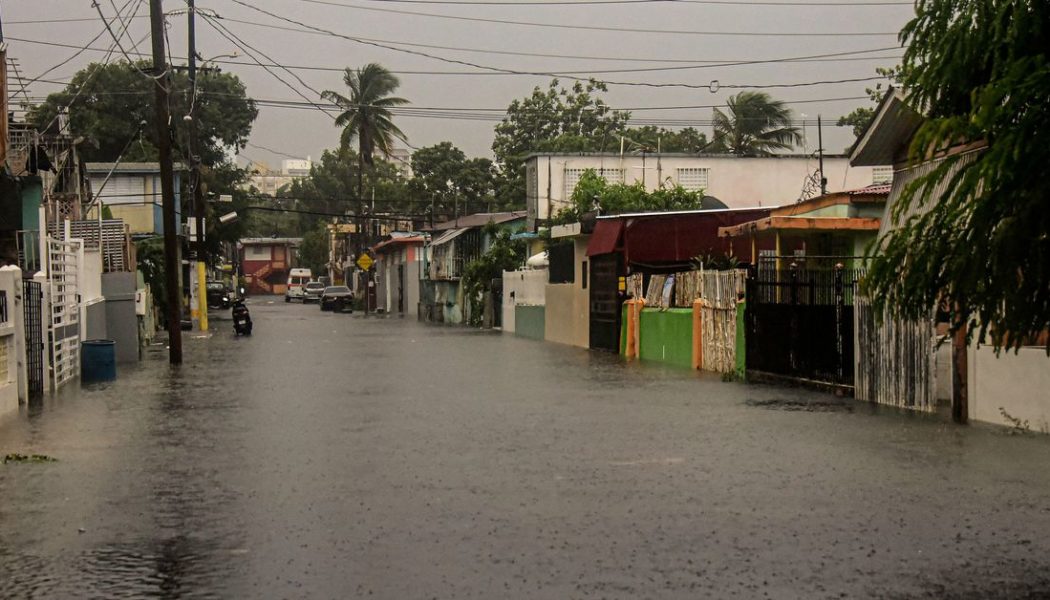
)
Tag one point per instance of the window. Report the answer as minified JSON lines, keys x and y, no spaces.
{"x":694,"y":179}
{"x":572,"y":177}
{"x":881,"y":175}
{"x":257,"y":253}
{"x":583,"y":274}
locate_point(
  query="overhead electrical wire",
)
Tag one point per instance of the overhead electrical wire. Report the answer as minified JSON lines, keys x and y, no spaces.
{"x":500,"y":69}
{"x":759,"y":3}
{"x":606,"y":28}
{"x":693,"y":64}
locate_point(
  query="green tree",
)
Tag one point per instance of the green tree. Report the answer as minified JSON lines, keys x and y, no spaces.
{"x":313,"y":253}
{"x":503,"y":254}
{"x":113,"y":99}
{"x":366,"y":114}
{"x":443,"y":176}
{"x":652,"y":139}
{"x":755,"y":125}
{"x":593,"y":192}
{"x":980,"y":72}
{"x":557,"y":119}
{"x":859,"y":118}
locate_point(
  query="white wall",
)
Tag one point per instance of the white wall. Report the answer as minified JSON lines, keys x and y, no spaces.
{"x":12,"y":342}
{"x":522,"y":287}
{"x":1017,"y":383}
{"x":738,"y":181}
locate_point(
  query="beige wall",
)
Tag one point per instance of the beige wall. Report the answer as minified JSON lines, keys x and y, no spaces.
{"x":1018,"y":383}
{"x":139,"y":217}
{"x":521,"y":287}
{"x":568,"y":305}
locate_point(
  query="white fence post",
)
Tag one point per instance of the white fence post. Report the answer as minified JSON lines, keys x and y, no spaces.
{"x":12,"y":342}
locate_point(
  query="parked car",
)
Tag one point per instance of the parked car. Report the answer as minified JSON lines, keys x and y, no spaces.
{"x":337,"y":298}
{"x":297,"y":280}
{"x":313,"y":291}
{"x":218,"y":295}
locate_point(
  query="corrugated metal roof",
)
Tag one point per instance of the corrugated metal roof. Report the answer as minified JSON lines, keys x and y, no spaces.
{"x":873,"y":189}
{"x":892,"y":127}
{"x":129,"y":167}
{"x":479,"y":220}
{"x":448,"y":236}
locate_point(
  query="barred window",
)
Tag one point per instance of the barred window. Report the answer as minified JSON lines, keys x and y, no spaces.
{"x":572,"y":177}
{"x":694,"y":179}
{"x":880,"y":175}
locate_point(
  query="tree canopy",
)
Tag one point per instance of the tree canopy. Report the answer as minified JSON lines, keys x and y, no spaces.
{"x":443,"y":176}
{"x":979,"y":70}
{"x":593,"y":192}
{"x":754,"y":124}
{"x":111,"y":100}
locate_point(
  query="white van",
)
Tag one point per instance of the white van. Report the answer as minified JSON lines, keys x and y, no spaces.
{"x":297,"y":280}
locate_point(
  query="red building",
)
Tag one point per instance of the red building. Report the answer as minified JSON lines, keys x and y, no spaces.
{"x":265,"y":263}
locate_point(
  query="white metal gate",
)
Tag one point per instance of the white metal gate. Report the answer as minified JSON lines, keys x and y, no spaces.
{"x":64,"y":325}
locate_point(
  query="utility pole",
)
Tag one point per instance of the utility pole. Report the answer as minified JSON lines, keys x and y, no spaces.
{"x":820,"y":153}
{"x":162,"y":82}
{"x":195,"y":171}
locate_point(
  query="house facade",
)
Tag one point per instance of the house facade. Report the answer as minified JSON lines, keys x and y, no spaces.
{"x":133,"y":194}
{"x":398,"y":268}
{"x":735,"y":181}
{"x":266,"y":262}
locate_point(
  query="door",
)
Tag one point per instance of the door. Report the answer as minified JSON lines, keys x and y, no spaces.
{"x":32,"y":297}
{"x":401,"y":289}
{"x":606,"y":302}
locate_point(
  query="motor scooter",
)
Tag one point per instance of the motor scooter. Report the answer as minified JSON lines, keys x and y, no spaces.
{"x":242,"y":319}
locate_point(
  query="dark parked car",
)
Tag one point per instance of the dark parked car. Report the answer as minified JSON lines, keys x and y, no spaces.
{"x":313,"y":292}
{"x":337,"y":298}
{"x":218,"y":295}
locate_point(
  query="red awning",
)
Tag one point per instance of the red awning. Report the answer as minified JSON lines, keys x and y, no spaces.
{"x":665,"y":239}
{"x":606,"y":236}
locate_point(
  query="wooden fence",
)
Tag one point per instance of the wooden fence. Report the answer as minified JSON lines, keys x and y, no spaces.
{"x":895,"y":360}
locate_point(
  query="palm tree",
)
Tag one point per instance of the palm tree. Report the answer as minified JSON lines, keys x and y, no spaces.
{"x":756,"y":124}
{"x":366,"y":113}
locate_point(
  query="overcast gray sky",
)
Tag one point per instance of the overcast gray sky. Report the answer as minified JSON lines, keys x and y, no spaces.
{"x":427,"y":82}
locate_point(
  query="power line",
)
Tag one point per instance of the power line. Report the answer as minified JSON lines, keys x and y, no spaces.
{"x":590,"y":2}
{"x":604,"y":28}
{"x":488,"y":67}
{"x":693,"y":64}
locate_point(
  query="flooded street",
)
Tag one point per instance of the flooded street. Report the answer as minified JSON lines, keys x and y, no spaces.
{"x":333,"y":456}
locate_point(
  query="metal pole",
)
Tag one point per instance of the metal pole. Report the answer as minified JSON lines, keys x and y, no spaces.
{"x":167,"y":184}
{"x":195,"y":174}
{"x":820,"y":153}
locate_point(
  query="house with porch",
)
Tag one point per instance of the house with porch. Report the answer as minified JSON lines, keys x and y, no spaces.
{"x":1003,"y":389}
{"x":453,"y":245}
{"x":266,"y":262}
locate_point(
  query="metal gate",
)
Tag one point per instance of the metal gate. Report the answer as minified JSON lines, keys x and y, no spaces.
{"x":800,"y":324}
{"x":895,"y":359}
{"x":64,"y":325}
{"x":606,"y":302}
{"x":32,"y":307}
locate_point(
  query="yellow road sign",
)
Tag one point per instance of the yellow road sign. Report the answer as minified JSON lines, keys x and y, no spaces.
{"x":365,"y":262}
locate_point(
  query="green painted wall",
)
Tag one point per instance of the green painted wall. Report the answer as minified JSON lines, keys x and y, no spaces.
{"x":32,"y":196}
{"x":667,"y":336}
{"x":529,"y":321}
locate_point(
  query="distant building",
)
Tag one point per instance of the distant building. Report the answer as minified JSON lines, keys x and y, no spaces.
{"x":402,"y":159}
{"x":132,"y":193}
{"x":268,"y":182}
{"x":736,"y":181}
{"x":265,"y":263}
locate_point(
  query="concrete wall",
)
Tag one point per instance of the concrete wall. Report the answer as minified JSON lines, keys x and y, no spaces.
{"x":529,"y":322}
{"x":12,"y":342}
{"x":738,"y":181}
{"x":522,"y":288}
{"x":1017,"y":383}
{"x":569,"y":304}
{"x":122,"y":325}
{"x":449,"y":299}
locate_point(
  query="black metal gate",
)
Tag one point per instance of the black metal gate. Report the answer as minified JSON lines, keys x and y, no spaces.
{"x":606,"y":302}
{"x":799,"y":323}
{"x":32,"y":301}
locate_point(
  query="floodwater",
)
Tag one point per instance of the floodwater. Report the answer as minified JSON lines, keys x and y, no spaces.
{"x":333,"y":456}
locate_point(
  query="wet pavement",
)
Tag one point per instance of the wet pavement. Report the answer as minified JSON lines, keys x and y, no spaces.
{"x":332,"y":456}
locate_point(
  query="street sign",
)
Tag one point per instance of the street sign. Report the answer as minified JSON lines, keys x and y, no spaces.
{"x":365,"y":262}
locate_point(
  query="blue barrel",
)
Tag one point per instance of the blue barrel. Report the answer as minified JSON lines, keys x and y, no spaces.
{"x":98,"y":360}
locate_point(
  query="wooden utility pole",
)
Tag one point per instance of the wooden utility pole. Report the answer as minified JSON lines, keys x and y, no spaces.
{"x":162,"y":83}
